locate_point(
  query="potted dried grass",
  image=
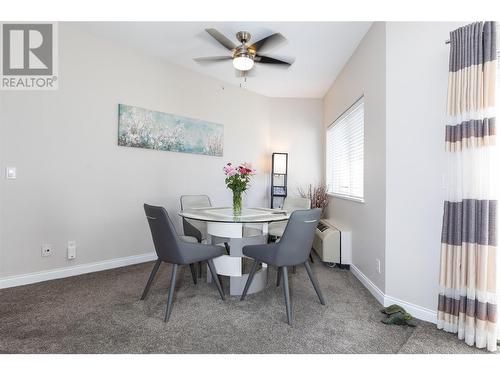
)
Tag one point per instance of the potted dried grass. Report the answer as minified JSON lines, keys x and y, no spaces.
{"x":318,"y":196}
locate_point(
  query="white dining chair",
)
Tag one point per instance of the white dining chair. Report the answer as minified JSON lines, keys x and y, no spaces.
{"x":290,"y":204}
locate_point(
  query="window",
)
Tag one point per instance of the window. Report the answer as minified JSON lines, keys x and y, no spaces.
{"x":345,"y":153}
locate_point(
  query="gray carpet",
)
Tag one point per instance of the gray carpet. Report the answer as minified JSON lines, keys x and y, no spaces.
{"x":101,"y":313}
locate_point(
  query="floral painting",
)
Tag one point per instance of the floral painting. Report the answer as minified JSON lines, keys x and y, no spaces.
{"x":143,"y":128}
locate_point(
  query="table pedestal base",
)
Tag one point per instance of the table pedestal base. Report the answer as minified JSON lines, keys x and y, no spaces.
{"x":232,"y":265}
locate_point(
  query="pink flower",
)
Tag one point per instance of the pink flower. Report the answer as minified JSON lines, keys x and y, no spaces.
{"x":248,"y":168}
{"x":243,"y":169}
{"x":229,"y":170}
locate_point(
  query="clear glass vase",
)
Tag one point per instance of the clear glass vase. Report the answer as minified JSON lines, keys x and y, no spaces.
{"x":236,"y":203}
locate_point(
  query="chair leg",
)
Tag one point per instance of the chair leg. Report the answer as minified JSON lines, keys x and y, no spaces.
{"x":215,"y":278}
{"x":249,"y":280}
{"x":199,"y":270}
{"x":278,"y":278}
{"x":228,"y":249}
{"x":287,"y":295}
{"x":314,"y":282}
{"x":311,"y":257}
{"x":171,"y":292}
{"x":151,"y":278}
{"x":193,"y":273}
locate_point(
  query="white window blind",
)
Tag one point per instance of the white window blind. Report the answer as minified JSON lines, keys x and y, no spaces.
{"x":345,"y":153}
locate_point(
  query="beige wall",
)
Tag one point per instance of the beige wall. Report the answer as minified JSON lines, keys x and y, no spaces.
{"x":364,"y":74}
{"x":75,"y":183}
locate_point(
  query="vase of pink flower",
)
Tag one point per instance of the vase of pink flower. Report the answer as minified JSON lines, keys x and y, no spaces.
{"x":238,"y":180}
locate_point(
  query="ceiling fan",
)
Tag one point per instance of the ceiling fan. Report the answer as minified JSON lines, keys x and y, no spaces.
{"x":244,"y":55}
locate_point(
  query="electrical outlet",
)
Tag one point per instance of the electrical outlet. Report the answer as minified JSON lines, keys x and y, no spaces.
{"x":46,"y":250}
{"x":377,"y":265}
{"x":71,"y":249}
{"x":10,"y":173}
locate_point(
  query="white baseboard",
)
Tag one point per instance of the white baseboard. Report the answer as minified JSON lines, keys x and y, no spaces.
{"x":418,"y":312}
{"x":58,"y":273}
{"x":377,"y":293}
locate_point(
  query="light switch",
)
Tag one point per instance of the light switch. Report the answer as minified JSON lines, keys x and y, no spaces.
{"x":71,"y":249}
{"x":10,"y":173}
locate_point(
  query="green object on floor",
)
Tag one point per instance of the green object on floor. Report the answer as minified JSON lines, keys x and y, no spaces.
{"x":389,"y":310}
{"x":397,"y":315}
{"x":400,"y":319}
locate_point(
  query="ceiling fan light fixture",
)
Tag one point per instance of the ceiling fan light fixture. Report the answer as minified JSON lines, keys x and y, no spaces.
{"x":244,"y":56}
{"x":243,"y":62}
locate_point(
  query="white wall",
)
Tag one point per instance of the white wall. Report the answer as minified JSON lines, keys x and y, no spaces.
{"x":402,"y":69}
{"x":75,"y":183}
{"x":364,"y":74}
{"x":417,"y":78}
{"x":291,"y":131}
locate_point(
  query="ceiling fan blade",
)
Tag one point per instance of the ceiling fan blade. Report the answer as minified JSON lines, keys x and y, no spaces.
{"x":212,"y":59}
{"x":221,"y":39}
{"x":268,"y":43}
{"x":271,"y":60}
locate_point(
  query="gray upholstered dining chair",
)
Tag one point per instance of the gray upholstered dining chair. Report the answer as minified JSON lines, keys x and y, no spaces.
{"x":170,"y":248}
{"x":197,"y":228}
{"x":290,"y":204}
{"x":293,"y":249}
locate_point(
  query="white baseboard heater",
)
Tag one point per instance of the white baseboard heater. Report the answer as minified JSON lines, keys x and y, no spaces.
{"x":333,"y":244}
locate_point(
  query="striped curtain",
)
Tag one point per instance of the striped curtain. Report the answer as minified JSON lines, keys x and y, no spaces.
{"x":468,"y":296}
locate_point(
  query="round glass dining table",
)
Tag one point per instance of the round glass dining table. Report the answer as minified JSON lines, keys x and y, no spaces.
{"x":248,"y":228}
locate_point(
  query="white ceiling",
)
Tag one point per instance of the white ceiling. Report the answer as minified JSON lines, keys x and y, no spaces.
{"x":320,"y":50}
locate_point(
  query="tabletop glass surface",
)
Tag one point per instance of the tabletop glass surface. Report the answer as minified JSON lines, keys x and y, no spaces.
{"x":225,"y":215}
